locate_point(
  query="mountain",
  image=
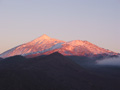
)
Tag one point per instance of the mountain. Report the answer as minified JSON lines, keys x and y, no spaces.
{"x":41,"y":44}
{"x":52,"y":72}
{"x":0,"y":58}
{"x":11,"y":62}
{"x":45,"y":45}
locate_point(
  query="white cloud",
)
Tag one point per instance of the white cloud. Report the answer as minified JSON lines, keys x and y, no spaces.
{"x":109,"y":61}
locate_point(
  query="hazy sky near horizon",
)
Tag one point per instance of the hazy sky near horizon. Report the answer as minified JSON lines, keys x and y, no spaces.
{"x":97,"y":21}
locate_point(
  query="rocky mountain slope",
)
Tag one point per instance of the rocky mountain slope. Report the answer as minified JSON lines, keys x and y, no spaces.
{"x":46,"y":45}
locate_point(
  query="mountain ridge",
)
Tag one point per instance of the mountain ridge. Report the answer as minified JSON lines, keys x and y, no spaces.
{"x":45,"y":44}
{"x":52,"y":72}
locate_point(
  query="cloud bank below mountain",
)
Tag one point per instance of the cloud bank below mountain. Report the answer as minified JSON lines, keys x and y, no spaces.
{"x":110,"y":61}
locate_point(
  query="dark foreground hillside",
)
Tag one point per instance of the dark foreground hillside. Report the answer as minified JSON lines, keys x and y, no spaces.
{"x":53,"y":72}
{"x":0,"y":58}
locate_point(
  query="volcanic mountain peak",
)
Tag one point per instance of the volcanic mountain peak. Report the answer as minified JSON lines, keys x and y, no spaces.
{"x":43,"y":37}
{"x":46,"y":44}
{"x":39,"y":45}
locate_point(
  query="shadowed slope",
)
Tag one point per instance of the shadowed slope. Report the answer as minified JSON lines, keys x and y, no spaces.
{"x":12,"y":63}
{"x":1,"y":58}
{"x":53,"y":72}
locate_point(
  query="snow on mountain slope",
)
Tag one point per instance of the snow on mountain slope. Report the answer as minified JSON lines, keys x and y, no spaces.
{"x":41,"y":44}
{"x":45,"y":45}
{"x":81,"y":48}
{"x":90,"y":47}
{"x":77,"y":48}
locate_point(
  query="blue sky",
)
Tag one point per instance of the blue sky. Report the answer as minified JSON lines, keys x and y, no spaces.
{"x":97,"y":21}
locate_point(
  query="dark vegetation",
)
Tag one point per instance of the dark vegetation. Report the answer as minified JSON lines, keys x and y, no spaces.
{"x":52,"y":72}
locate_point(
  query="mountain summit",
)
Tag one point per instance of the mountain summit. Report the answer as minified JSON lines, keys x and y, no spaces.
{"x":44,"y":36}
{"x":45,"y":45}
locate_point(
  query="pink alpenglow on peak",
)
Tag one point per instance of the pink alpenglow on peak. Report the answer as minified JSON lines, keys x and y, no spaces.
{"x":46,"y":45}
{"x":44,"y":36}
